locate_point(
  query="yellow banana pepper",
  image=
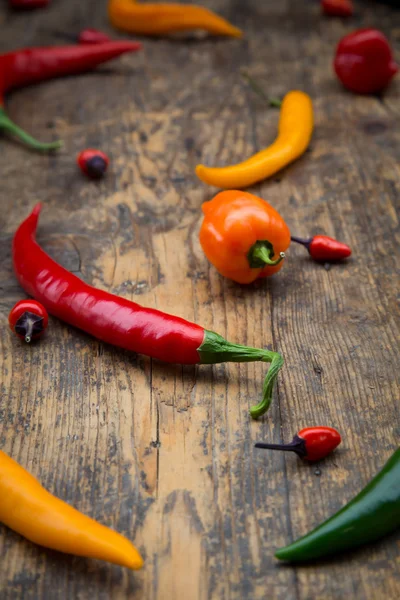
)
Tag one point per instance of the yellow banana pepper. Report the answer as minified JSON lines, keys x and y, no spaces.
{"x":295,"y":130}
{"x":164,"y":18}
{"x":29,"y":509}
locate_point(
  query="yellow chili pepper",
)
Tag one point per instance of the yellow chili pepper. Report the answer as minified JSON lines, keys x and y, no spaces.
{"x":160,"y":19}
{"x":295,"y":131}
{"x":27,"y":508}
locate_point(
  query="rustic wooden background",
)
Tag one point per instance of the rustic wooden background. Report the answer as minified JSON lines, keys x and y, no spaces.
{"x":165,"y":453}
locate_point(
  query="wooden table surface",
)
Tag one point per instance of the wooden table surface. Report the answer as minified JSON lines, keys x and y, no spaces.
{"x":165,"y":454}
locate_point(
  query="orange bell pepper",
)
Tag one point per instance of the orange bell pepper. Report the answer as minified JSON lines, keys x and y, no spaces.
{"x":243,"y":236}
{"x":30,"y":510}
{"x":167,"y":17}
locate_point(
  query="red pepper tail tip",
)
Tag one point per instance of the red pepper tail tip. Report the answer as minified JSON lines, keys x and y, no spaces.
{"x":124,"y":45}
{"x":36,"y":210}
{"x":34,"y":216}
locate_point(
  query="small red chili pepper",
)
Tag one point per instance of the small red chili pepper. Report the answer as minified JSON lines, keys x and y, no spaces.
{"x":93,"y":163}
{"x":28,"y":319}
{"x":311,"y":443}
{"x":28,"y":4}
{"x":324,"y":248}
{"x":364,"y":61}
{"x":32,"y":65}
{"x":337,"y":8}
{"x":92,"y":36}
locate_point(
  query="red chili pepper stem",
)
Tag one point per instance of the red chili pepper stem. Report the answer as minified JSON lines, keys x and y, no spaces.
{"x":215,"y":349}
{"x":9,"y":127}
{"x":261,"y":253}
{"x":297,"y":445}
{"x":29,"y":325}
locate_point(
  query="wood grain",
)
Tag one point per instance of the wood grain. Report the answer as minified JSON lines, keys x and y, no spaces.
{"x":165,"y":453}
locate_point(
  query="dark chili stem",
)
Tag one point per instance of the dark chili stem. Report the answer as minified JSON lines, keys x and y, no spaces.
{"x":275,"y":102}
{"x":301,"y":241}
{"x":28,"y":331}
{"x":29,"y":325}
{"x":297,"y":445}
{"x":287,"y":447}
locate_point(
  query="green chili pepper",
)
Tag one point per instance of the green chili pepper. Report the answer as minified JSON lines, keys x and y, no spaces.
{"x":368,"y":517}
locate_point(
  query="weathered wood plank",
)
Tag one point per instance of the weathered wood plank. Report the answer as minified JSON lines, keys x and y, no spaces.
{"x":165,"y":453}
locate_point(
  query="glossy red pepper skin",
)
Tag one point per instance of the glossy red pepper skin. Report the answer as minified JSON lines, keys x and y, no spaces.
{"x":93,"y":163}
{"x":92,"y":36}
{"x":337,"y":8}
{"x":324,"y":249}
{"x":364,"y":61}
{"x":28,"y":4}
{"x":107,"y":317}
{"x":33,"y":65}
{"x":28,"y":319}
{"x":311,"y":443}
{"x":319,"y":441}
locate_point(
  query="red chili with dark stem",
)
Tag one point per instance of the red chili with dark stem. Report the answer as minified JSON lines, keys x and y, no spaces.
{"x":28,"y":4}
{"x":92,"y":36}
{"x":124,"y":323}
{"x":364,"y":61}
{"x":311,"y":443}
{"x":337,"y":8}
{"x":32,"y":65}
{"x":323,"y":248}
{"x":93,"y":163}
{"x":28,"y":319}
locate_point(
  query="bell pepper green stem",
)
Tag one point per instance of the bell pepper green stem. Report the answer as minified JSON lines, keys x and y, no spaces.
{"x":215,"y":349}
{"x":9,"y":127}
{"x":261,"y":253}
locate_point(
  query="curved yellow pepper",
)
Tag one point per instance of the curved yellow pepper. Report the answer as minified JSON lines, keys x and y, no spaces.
{"x":295,"y":130}
{"x":160,"y":19}
{"x":30,"y":510}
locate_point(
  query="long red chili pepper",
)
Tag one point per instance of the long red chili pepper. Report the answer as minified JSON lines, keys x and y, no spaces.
{"x":337,"y":8}
{"x":32,"y":65}
{"x":92,"y":36}
{"x":28,"y":4}
{"x":124,"y":323}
